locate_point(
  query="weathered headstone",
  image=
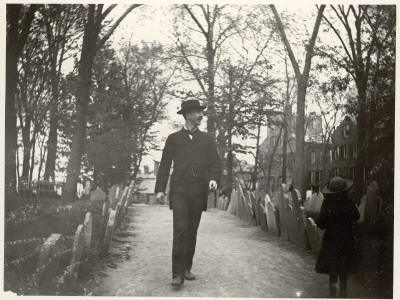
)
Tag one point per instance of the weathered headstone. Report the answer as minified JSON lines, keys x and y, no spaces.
{"x":372,"y":201}
{"x":118,"y":214}
{"x":110,"y":229}
{"x":271,"y":218}
{"x":104,"y":213}
{"x":312,"y":235}
{"x":308,"y":200}
{"x":87,"y":231}
{"x":48,"y":262}
{"x":361,"y":209}
{"x":232,"y":203}
{"x":249,"y":214}
{"x":291,"y":224}
{"x":301,"y":233}
{"x":312,"y":202}
{"x":282,"y":214}
{"x":261,"y":213}
{"x":78,"y":251}
{"x":318,"y":202}
{"x":97,"y":195}
{"x":255,"y":209}
{"x":114,"y":195}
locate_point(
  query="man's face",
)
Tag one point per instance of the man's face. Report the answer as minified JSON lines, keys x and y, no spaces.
{"x":195,"y":116}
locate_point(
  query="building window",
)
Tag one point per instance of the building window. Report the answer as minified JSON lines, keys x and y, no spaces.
{"x":354,"y":150}
{"x":346,"y":130}
{"x":312,"y":177}
{"x":313,"y":157}
{"x":346,"y":151}
{"x":337,"y":153}
{"x":337,"y":171}
{"x":329,"y":174}
{"x":331,"y":154}
{"x":353,"y":172}
{"x":317,"y":176}
{"x":341,"y":152}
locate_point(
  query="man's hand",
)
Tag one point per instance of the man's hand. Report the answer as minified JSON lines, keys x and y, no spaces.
{"x":160,"y":195}
{"x":213,"y":185}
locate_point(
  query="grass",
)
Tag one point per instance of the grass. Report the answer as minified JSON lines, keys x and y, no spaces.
{"x":28,"y":224}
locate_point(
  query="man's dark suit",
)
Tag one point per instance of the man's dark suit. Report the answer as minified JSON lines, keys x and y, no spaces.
{"x":196,"y":162}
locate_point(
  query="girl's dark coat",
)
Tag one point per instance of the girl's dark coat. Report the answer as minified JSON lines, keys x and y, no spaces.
{"x":338,"y":252}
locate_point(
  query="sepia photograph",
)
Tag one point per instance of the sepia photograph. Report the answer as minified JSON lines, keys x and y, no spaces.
{"x":207,"y":149}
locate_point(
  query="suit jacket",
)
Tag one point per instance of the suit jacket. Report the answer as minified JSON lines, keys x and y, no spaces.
{"x":199,"y":152}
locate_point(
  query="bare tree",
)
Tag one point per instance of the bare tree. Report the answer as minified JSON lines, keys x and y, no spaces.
{"x":302,"y":82}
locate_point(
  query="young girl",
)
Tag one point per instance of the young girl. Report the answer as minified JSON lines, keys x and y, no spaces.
{"x":338,"y":213}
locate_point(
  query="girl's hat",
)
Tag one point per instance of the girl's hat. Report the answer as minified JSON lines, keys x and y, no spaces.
{"x":337,"y":185}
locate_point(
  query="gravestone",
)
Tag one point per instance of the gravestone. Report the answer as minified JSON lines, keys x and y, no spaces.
{"x":291,"y":224}
{"x":110,"y":229}
{"x":78,"y":251}
{"x":114,"y":195}
{"x":271,"y":219}
{"x":301,"y":232}
{"x":47,"y":266}
{"x":231,"y":203}
{"x":255,"y":207}
{"x":87,"y":231}
{"x":372,"y":202}
{"x":313,"y":238}
{"x":97,"y":195}
{"x":263,"y":217}
{"x":308,"y":200}
{"x":261,"y":214}
{"x":318,"y":202}
{"x":104,"y":213}
{"x":249,"y":212}
{"x":282,"y":214}
{"x":361,"y":209}
{"x":118,"y":214}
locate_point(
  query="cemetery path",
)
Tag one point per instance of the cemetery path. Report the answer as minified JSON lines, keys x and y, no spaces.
{"x":233,"y":259}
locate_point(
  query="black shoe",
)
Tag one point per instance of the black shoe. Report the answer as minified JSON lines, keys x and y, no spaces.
{"x":189,"y":275}
{"x":177,"y":280}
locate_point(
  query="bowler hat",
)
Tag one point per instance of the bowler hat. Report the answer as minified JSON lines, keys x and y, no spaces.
{"x":189,"y":105}
{"x":337,"y":185}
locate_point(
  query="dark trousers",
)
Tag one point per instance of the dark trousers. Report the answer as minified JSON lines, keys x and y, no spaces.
{"x":187,"y":209}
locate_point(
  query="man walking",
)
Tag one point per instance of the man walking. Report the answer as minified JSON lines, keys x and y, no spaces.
{"x":197,"y":169}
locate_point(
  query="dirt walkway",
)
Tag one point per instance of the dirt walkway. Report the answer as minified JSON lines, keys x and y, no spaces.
{"x":232,"y":259}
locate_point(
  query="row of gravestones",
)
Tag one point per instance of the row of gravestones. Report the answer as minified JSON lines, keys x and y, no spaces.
{"x":51,"y":251}
{"x":284,"y":216}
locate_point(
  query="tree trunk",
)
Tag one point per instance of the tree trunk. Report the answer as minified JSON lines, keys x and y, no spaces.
{"x":256,"y":159}
{"x":26,"y":139}
{"x":33,"y":147}
{"x":211,"y":84}
{"x":284,"y":152}
{"x":361,"y":168}
{"x":14,"y":46}
{"x":300,"y":171}
{"x":229,"y":166}
{"x":82,"y":103}
{"x":271,"y":160}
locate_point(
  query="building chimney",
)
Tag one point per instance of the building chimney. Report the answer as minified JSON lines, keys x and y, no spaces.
{"x":156,"y":167}
{"x":146,"y":169}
